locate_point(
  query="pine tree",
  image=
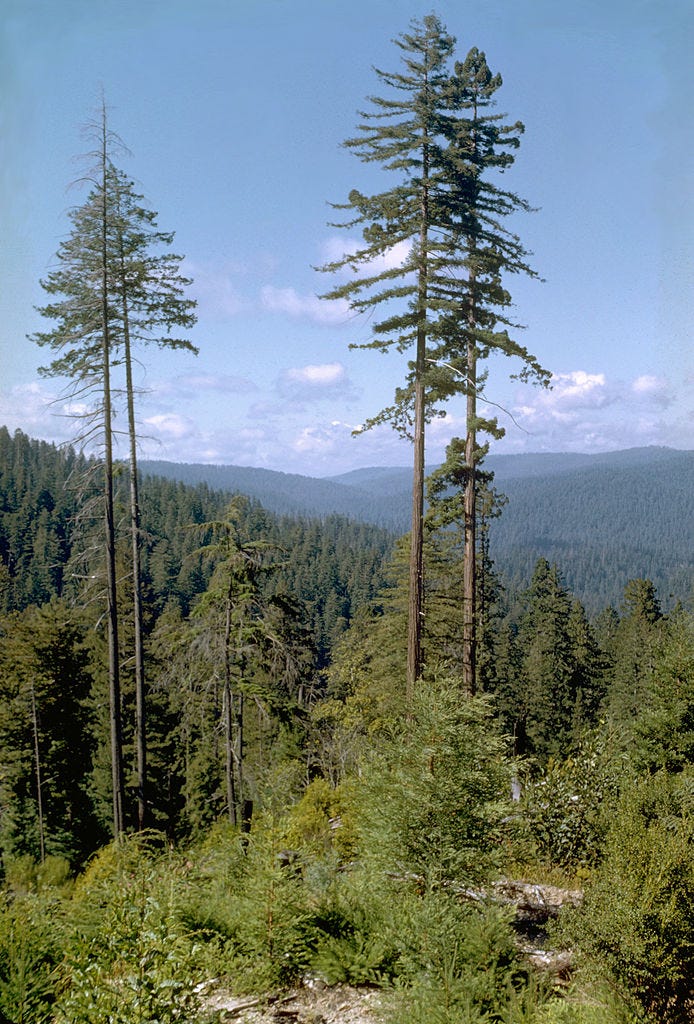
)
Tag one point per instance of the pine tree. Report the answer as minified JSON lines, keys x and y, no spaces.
{"x":478,"y":252}
{"x":447,"y":209}
{"x":117,"y":292}
{"x":150,"y":289}
{"x":557,"y":665}
{"x":84,"y":338}
{"x":45,"y":735}
{"x":632,"y":652}
{"x":403,"y":134}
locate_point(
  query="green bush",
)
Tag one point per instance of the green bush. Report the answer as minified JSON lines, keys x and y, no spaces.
{"x":565,"y":811}
{"x":253,"y":907}
{"x":30,"y":951}
{"x":458,"y":965}
{"x":431,"y":802}
{"x":637,"y":922}
{"x":560,"y":1011}
{"x":128,"y":957}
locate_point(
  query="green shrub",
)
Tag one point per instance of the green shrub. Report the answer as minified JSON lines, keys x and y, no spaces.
{"x":322,"y":822}
{"x":461,"y":966}
{"x":560,"y":1011}
{"x":252,"y":905}
{"x":432,"y":800}
{"x":638,"y":918}
{"x":30,"y":951}
{"x":129,"y":958}
{"x":565,"y":811}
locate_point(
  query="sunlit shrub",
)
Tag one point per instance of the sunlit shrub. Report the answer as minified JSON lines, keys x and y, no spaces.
{"x":638,"y":919}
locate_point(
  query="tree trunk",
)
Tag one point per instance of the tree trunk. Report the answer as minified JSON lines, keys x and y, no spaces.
{"x":227,"y":710}
{"x":140,"y":699}
{"x":469,"y":504}
{"x":415,"y":618}
{"x":39,"y":784}
{"x":416,"y":586}
{"x":109,"y":520}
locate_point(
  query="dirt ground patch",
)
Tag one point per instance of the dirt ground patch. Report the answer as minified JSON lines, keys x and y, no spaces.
{"x":316,"y":1004}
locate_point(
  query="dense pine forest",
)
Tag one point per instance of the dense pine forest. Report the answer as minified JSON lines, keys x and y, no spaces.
{"x":245,"y":750}
{"x":590,"y":718}
{"x":604,"y":518}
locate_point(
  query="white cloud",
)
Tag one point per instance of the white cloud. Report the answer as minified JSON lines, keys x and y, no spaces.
{"x":586,"y":412}
{"x":39,"y":412}
{"x":578,"y":389}
{"x":318,"y":375}
{"x":315,"y":381}
{"x":305,"y":307}
{"x":170,"y":426}
{"x":191,"y":385}
{"x":331,"y":447}
{"x":649,"y":387}
{"x":215,"y":290}
{"x":337,"y":248}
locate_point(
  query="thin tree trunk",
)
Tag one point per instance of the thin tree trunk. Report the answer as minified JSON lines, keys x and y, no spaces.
{"x":227,"y":708}
{"x":238,"y":757}
{"x":415,"y":618}
{"x":39,"y":784}
{"x":140,"y":698}
{"x":109,"y":522}
{"x":416,"y":585}
{"x":469,"y":503}
{"x":470,"y":496}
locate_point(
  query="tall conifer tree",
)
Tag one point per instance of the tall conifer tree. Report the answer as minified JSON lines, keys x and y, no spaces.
{"x":446,"y":148}
{"x":115,"y":291}
{"x":403,"y":134}
{"x":151,"y":303}
{"x":83,"y":336}
{"x":478,"y":253}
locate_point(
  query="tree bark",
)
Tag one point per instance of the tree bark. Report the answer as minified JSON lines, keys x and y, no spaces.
{"x":109,"y":519}
{"x":39,"y":783}
{"x":140,"y":698}
{"x":469,"y":506}
{"x":415,"y":618}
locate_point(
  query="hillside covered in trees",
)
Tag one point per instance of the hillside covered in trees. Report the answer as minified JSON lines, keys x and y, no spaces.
{"x":604,"y":518}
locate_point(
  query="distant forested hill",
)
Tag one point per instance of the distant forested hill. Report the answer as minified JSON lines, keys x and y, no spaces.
{"x":603,"y":524}
{"x":50,"y":522}
{"x":368,"y":500}
{"x":604,"y":519}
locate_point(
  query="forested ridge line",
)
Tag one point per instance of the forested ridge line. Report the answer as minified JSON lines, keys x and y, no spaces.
{"x":49,"y":515}
{"x":604,"y":518}
{"x":610,"y":519}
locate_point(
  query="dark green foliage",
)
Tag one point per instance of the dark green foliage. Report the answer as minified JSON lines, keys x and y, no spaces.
{"x":631,"y":652}
{"x":664,"y":727}
{"x":552,"y":686}
{"x":39,"y":500}
{"x":46,"y":736}
{"x":289,"y":494}
{"x":620,"y":516}
{"x":587,"y":513}
{"x":333,"y":565}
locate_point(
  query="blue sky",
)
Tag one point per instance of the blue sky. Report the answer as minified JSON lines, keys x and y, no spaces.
{"x":235,"y":112}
